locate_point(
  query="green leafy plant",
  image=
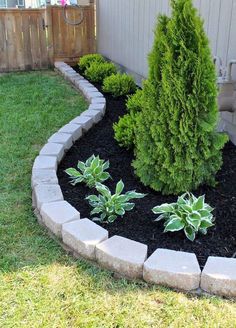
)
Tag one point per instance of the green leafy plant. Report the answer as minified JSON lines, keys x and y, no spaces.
{"x":90,"y":172}
{"x":124,"y":129}
{"x":177,"y":147}
{"x":189,"y":213}
{"x":119,"y":84}
{"x":97,"y":72}
{"x":87,"y":60}
{"x":111,"y":206}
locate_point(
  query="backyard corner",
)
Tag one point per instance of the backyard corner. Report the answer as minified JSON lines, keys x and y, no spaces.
{"x":40,"y":283}
{"x":117,"y":203}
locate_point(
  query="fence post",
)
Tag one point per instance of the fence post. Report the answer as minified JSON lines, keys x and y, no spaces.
{"x":49,"y":26}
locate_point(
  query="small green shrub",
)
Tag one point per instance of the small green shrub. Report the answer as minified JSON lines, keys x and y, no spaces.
{"x":119,"y":85}
{"x":111,"y":206}
{"x":189,"y":213}
{"x":90,"y":172}
{"x":124,"y":131}
{"x":97,"y":72}
{"x":87,"y":60}
{"x":177,"y":146}
{"x":125,"y":128}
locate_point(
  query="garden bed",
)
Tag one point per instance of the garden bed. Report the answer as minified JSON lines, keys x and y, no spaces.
{"x":139,"y":224}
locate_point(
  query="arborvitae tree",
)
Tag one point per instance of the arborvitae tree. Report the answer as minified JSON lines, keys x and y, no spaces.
{"x":177,"y":147}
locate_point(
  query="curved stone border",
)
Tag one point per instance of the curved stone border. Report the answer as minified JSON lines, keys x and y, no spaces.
{"x":179,"y":270}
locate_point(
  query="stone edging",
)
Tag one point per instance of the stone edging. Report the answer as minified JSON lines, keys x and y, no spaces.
{"x":179,"y":270}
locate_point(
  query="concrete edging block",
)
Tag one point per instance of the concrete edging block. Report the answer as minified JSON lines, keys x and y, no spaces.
{"x":219,"y":276}
{"x":122,"y":255}
{"x":55,"y":214}
{"x":173,"y":269}
{"x":82,"y":236}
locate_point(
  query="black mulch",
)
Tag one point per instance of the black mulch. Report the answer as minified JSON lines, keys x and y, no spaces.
{"x":138,"y":224}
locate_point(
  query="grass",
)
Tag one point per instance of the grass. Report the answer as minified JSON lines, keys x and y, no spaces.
{"x":40,"y":285}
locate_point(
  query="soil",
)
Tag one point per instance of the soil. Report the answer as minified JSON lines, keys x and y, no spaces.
{"x":139,"y":224}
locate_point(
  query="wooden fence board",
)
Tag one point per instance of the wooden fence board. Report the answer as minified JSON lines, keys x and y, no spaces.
{"x":35,"y":38}
{"x":3,"y":45}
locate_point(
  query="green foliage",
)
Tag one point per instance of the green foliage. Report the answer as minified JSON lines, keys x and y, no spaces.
{"x":119,"y":84}
{"x":189,"y":213}
{"x":177,"y":147}
{"x":111,"y":206}
{"x":125,"y":128}
{"x":124,"y":131}
{"x":87,"y":60}
{"x":90,"y":172}
{"x":57,"y":283}
{"x":97,"y":72}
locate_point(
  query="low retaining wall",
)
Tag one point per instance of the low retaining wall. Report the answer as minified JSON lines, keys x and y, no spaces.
{"x":179,"y":270}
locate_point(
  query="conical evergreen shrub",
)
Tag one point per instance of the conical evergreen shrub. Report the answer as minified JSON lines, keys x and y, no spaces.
{"x":177,"y":147}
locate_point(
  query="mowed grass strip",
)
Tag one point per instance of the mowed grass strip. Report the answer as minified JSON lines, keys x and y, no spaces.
{"x":40,"y":285}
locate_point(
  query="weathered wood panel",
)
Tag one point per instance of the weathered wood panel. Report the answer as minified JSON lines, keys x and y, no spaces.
{"x":32,"y":39}
{"x":125,"y":29}
{"x":72,"y":41}
{"x":22,"y":40}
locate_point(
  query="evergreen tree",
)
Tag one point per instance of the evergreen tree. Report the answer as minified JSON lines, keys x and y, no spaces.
{"x":177,"y":147}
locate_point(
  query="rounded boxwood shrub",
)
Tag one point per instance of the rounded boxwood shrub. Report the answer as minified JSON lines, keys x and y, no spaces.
{"x":125,"y":128}
{"x":119,"y":84}
{"x":97,"y":72}
{"x":87,"y":60}
{"x":177,"y":147}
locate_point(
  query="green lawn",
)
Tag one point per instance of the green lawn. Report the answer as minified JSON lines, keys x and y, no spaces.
{"x":40,"y":285}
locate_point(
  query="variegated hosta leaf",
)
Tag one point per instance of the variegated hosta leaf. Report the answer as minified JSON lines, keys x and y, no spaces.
{"x":164,"y":208}
{"x":189,"y":213}
{"x":175,"y":224}
{"x":110,"y":205}
{"x":92,"y":171}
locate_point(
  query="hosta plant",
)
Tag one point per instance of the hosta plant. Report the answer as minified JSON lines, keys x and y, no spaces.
{"x":189,"y":213}
{"x":109,"y":206}
{"x":90,"y":172}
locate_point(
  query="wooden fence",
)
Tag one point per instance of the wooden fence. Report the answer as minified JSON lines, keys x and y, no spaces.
{"x":125,"y":29}
{"x":35,"y":38}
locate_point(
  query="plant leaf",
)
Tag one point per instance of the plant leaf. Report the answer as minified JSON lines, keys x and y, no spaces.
{"x":175,"y":224}
{"x":119,"y":187}
{"x":199,"y":203}
{"x":73,"y":172}
{"x":190,"y":233}
{"x":164,"y":208}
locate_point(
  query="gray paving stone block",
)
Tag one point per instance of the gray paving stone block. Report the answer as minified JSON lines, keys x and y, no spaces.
{"x":43,"y":177}
{"x":85,"y":121}
{"x":46,"y":194}
{"x":174,"y":269}
{"x":55,"y":214}
{"x":82,"y":236}
{"x":85,"y":89}
{"x":53,"y":149}
{"x":219,"y":276}
{"x":45,"y":162}
{"x":96,"y":115}
{"x":60,"y":65}
{"x":122,"y":255}
{"x":101,"y":100}
{"x":91,"y":95}
{"x":62,"y":138}
{"x":99,"y":107}
{"x":90,"y":89}
{"x":74,"y":129}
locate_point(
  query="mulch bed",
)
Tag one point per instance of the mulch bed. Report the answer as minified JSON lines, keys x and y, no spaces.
{"x":138,"y":224}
